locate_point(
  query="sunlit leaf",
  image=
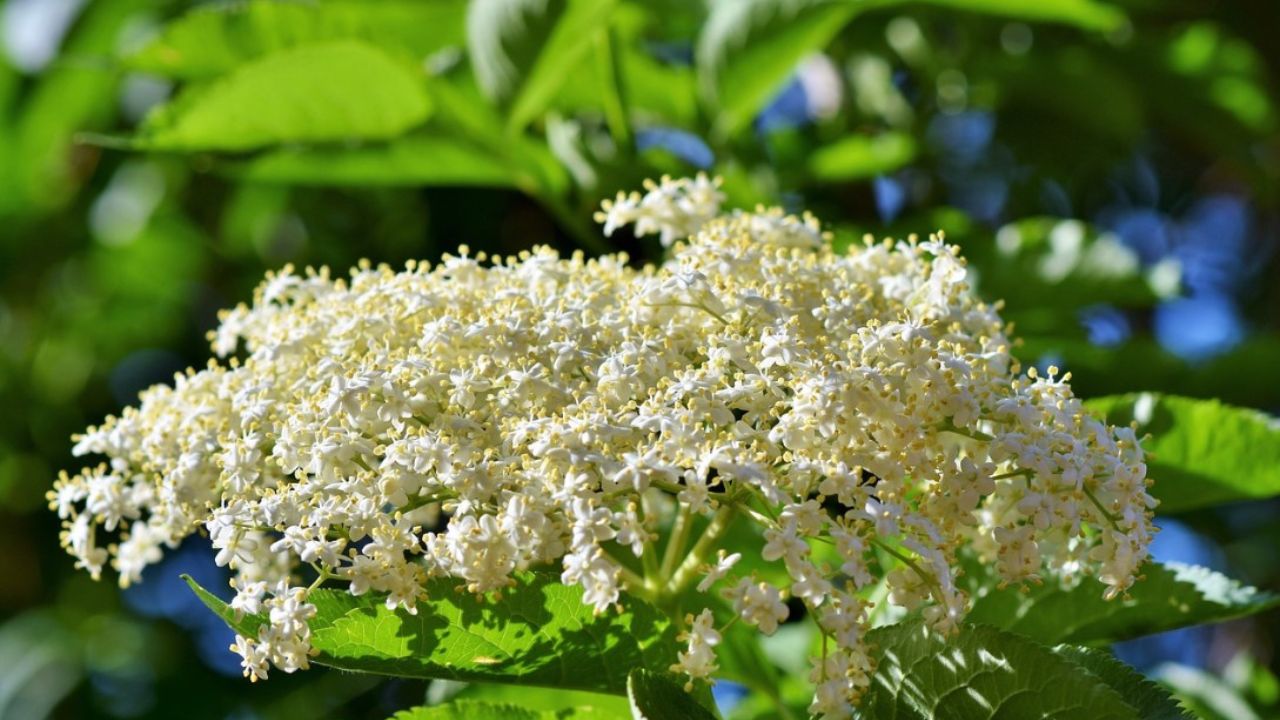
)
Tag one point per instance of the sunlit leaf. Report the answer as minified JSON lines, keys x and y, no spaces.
{"x":337,"y":91}
{"x":214,"y":39}
{"x":540,"y":633}
{"x":1202,"y":452}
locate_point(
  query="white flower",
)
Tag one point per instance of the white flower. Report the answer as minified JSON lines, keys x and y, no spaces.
{"x":717,"y":572}
{"x":698,"y":660}
{"x":759,"y":604}
{"x":486,"y":416}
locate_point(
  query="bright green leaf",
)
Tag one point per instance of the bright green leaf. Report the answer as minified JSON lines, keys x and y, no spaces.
{"x":1202,"y":452}
{"x":857,"y":157}
{"x":410,"y":160}
{"x":1150,"y":700}
{"x":337,"y":91}
{"x":980,"y":673}
{"x":1171,"y":596}
{"x":540,"y":633}
{"x":211,"y":40}
{"x":655,"y":696}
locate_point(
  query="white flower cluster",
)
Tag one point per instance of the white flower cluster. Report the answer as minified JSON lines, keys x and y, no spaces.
{"x":484,"y":416}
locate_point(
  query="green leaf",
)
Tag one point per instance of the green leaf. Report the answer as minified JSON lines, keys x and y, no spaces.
{"x":338,"y":91}
{"x":980,"y":672}
{"x":655,"y":696}
{"x":475,"y":710}
{"x":1202,"y":452}
{"x":523,"y":50}
{"x":211,"y":40}
{"x":416,"y":159}
{"x":857,"y":157}
{"x":1169,"y":597}
{"x":1150,"y":700}
{"x":538,"y":633}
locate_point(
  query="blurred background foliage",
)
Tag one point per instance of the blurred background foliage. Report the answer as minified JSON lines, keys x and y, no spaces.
{"x":1112,"y":170}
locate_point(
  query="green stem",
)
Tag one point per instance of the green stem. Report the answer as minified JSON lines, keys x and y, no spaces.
{"x":688,"y":570}
{"x":927,"y":578}
{"x":418,"y":501}
{"x":951,"y":427}
{"x":1111,"y":517}
{"x":675,"y":544}
{"x":649,"y":558}
{"x":615,"y":113}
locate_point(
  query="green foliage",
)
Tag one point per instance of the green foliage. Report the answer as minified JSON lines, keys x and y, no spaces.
{"x":1170,"y":596}
{"x":982,"y":672}
{"x":215,"y":39}
{"x":656,"y":696}
{"x":857,"y":157}
{"x":748,"y":48}
{"x":523,"y":50}
{"x":412,"y":160}
{"x":1202,"y":452}
{"x":540,"y":634}
{"x":335,"y":91}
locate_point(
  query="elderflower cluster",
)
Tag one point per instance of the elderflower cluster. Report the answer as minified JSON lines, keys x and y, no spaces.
{"x":860,"y":411}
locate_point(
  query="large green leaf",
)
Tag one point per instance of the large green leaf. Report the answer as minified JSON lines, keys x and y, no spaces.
{"x":1150,"y":700}
{"x":211,"y":40}
{"x":538,"y":633}
{"x":1201,"y":452}
{"x":1170,"y":596}
{"x":474,"y":710}
{"x":979,"y":673}
{"x":522,"y":51}
{"x":655,"y":696}
{"x":337,"y":91}
{"x":415,"y":159}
